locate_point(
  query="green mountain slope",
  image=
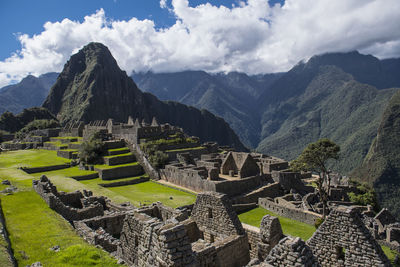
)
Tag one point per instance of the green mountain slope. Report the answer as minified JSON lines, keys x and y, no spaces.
{"x":381,"y":166}
{"x":333,"y":105}
{"x":230,"y":96}
{"x":93,"y":87}
{"x":29,"y":92}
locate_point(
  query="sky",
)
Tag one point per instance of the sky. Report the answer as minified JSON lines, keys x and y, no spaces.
{"x":251,"y":36}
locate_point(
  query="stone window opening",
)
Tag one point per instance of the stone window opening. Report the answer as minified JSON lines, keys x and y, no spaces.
{"x":212,"y":239}
{"x":136,"y":241}
{"x":210,"y":215}
{"x":340,"y":253}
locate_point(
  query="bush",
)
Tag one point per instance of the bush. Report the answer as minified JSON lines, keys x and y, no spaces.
{"x":318,"y":222}
{"x":1,"y":135}
{"x":36,"y":125}
{"x":92,"y":149}
{"x":366,"y":196}
{"x":158,"y":159}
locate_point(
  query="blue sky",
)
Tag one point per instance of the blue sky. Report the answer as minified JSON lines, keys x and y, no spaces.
{"x":252,"y":36}
{"x":28,"y":16}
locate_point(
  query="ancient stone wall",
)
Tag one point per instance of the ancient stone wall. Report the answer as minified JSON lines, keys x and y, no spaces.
{"x":272,"y":191}
{"x":215,"y":216}
{"x":147,"y":241}
{"x":254,"y":239}
{"x":50,"y":195}
{"x":103,"y":231}
{"x":45,"y":168}
{"x":343,"y":240}
{"x":117,"y":160}
{"x":291,"y":181}
{"x":292,"y":252}
{"x":295,"y":214}
{"x":120,"y":172}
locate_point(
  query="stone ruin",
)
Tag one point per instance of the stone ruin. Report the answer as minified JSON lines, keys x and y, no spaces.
{"x":383,"y":227}
{"x":341,"y":240}
{"x":212,"y":236}
{"x":209,"y":233}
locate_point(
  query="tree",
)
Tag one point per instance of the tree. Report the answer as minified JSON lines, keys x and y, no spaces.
{"x":92,"y":149}
{"x":315,"y":157}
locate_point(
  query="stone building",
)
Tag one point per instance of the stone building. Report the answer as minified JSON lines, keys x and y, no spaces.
{"x":241,"y":164}
{"x":343,"y":240}
{"x":212,"y":236}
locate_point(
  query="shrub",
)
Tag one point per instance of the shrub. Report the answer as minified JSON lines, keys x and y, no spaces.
{"x":318,"y":222}
{"x":158,"y":159}
{"x":365,"y":196}
{"x":92,"y":149}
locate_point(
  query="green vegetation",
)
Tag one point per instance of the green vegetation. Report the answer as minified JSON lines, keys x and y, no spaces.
{"x":315,"y":157}
{"x":36,"y":125}
{"x":91,"y":150}
{"x":366,"y":196}
{"x":68,"y":172}
{"x":186,"y":149}
{"x":391,"y":254}
{"x":103,"y":166}
{"x":30,"y":158}
{"x":119,"y":155}
{"x":289,"y":226}
{"x":158,"y":159}
{"x":34,"y":228}
{"x":119,"y":149}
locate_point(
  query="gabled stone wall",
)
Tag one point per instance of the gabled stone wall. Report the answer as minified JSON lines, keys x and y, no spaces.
{"x":343,"y":240}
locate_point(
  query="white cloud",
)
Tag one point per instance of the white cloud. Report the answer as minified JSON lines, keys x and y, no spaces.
{"x":163,"y":3}
{"x":251,"y":37}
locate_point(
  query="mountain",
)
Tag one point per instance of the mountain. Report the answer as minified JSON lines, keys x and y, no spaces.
{"x":13,"y":123}
{"x":231,"y":96}
{"x":93,"y":87}
{"x":337,"y":95}
{"x":29,"y":92}
{"x":381,"y":166}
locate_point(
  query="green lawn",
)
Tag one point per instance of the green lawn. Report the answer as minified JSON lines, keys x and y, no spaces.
{"x":289,"y":226}
{"x":34,"y":228}
{"x":30,"y":158}
{"x":119,"y":149}
{"x":104,"y":166}
{"x":391,"y":254}
{"x":68,"y":172}
{"x":119,"y":155}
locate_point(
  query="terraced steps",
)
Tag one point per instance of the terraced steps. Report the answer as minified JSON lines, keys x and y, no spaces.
{"x":107,"y":172}
{"x":118,"y":151}
{"x":119,"y":159}
{"x":124,"y":181}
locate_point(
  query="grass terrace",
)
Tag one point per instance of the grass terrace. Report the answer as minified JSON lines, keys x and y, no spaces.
{"x":119,"y":155}
{"x":30,"y":158}
{"x":104,"y":166}
{"x":34,"y":227}
{"x":289,"y":226}
{"x":186,"y":149}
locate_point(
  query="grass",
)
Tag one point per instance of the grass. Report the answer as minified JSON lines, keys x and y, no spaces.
{"x":103,"y":166}
{"x":186,"y":149}
{"x":30,"y":158}
{"x":119,"y":155}
{"x":289,"y":226}
{"x":68,"y":172}
{"x":100,"y":181}
{"x":118,"y":149}
{"x":391,"y":254}
{"x":34,"y":228}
